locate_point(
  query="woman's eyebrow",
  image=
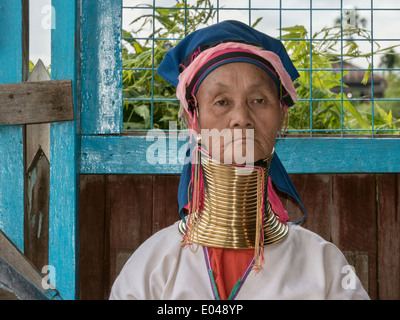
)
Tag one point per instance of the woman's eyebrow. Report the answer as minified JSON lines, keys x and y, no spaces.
{"x":252,"y":85}
{"x":221,"y":84}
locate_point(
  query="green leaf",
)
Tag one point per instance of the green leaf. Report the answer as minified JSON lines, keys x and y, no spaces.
{"x":257,"y":21}
{"x":348,"y":106}
{"x":144,"y":112}
{"x":138,"y":48}
{"x":295,"y":28}
{"x":364,"y":81}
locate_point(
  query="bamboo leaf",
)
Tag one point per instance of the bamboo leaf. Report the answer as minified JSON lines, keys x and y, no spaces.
{"x":144,"y":112}
{"x":348,"y":106}
{"x":257,"y":21}
{"x":364,"y":81}
{"x":138,"y":48}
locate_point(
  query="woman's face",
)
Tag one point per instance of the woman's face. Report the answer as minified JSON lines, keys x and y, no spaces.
{"x":242,"y":99}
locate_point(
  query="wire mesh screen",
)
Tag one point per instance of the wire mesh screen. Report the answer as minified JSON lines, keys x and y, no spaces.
{"x":346,"y":52}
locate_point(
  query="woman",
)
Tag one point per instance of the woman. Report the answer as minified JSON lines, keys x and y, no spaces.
{"x":234,"y":240}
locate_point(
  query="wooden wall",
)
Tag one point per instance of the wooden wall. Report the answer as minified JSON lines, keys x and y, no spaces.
{"x":357,"y":212}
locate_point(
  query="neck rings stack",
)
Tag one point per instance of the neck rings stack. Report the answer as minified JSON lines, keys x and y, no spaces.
{"x":235,"y":212}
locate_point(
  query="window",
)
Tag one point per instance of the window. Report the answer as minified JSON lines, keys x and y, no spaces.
{"x":346,"y":53}
{"x":339,"y":124}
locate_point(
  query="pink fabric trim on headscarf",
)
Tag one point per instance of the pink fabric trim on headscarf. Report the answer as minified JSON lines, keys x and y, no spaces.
{"x":187,"y":75}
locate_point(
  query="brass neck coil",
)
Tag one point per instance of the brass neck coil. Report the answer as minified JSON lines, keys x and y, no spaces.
{"x":233,"y":199}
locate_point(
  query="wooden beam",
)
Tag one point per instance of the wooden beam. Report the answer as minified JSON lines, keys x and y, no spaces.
{"x":141,"y":154}
{"x":64,"y":150}
{"x":17,"y":284}
{"x":25,"y":39}
{"x":92,"y":277}
{"x":36,"y":102}
{"x":18,"y":261}
{"x":37,"y":136}
{"x":12,"y":61}
{"x":388,"y":236}
{"x":353,"y":221}
{"x":37,"y":185}
{"x":315,"y":192}
{"x":101,"y":67}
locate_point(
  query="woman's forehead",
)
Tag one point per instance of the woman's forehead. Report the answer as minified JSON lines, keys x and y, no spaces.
{"x":228,"y":75}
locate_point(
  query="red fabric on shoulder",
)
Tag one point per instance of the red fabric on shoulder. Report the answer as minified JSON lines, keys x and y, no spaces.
{"x":228,"y":266}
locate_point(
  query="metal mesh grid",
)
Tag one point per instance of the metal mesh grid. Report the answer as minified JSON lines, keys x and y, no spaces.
{"x":367,"y":25}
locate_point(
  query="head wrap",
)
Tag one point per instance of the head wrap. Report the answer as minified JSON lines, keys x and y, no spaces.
{"x":229,"y":41}
{"x":194,"y":57}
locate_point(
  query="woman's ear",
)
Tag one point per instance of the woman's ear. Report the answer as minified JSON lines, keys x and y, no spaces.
{"x":187,"y":118}
{"x":284,"y":119}
{"x":191,"y":120}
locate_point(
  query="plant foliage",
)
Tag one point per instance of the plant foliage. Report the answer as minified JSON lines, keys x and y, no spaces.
{"x":147,"y":96}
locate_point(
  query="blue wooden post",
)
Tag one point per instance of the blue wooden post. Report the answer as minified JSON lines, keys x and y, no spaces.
{"x":101,"y":67}
{"x":64,"y":149}
{"x":11,"y":137}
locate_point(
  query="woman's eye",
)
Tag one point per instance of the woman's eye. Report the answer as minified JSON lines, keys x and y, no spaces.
{"x":221,"y":103}
{"x":259,"y":101}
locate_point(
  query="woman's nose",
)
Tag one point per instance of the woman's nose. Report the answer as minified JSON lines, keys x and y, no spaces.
{"x":241,"y":117}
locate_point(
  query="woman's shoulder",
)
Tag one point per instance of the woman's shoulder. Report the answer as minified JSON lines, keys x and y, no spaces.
{"x":170,"y":233}
{"x":155,"y":256}
{"x":303,"y":234}
{"x":163,"y":241}
{"x":302,"y":238}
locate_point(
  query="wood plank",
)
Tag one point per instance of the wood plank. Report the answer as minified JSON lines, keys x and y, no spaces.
{"x":7,"y":294}
{"x":37,"y":135}
{"x":13,"y":66}
{"x":315,"y":192}
{"x":129,"y":209}
{"x":165,"y":201}
{"x":122,"y":257}
{"x":353,"y":221}
{"x":18,"y":261}
{"x":12,"y":279}
{"x":36,"y":102}
{"x":37,"y":184}
{"x":359,"y":260}
{"x":101,"y":67}
{"x":92,"y":237}
{"x":64,"y":150}
{"x":25,"y":39}
{"x":127,"y":154}
{"x":389,"y":236}
{"x":36,"y":239}
{"x":339,"y":155}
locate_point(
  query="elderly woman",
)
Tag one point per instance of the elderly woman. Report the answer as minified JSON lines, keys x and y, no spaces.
{"x":234,"y":240}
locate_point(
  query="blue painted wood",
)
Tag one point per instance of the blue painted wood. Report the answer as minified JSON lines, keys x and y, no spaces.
{"x":11,"y":138}
{"x":131,"y":154}
{"x":64,"y":150}
{"x":163,"y":155}
{"x":101,"y":67}
{"x":340,"y":155}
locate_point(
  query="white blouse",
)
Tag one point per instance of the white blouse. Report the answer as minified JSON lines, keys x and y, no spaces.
{"x":301,"y":266}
